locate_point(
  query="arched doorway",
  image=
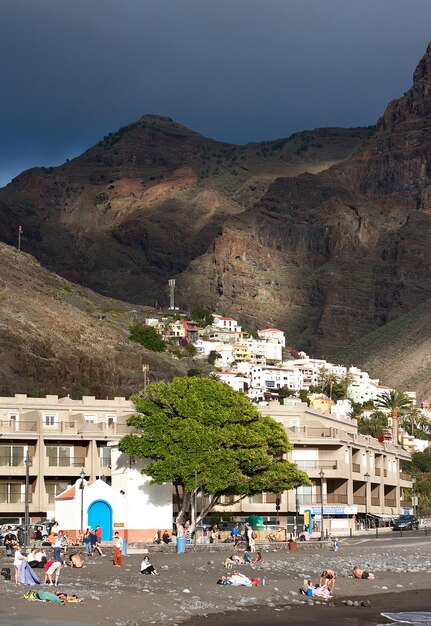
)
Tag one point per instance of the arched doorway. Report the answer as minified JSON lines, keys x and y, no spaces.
{"x":100,"y":514}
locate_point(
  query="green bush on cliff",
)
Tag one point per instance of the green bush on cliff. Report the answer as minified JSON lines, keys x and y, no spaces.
{"x":147,"y":337}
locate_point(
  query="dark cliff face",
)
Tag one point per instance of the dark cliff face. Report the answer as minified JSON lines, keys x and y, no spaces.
{"x":395,"y":167}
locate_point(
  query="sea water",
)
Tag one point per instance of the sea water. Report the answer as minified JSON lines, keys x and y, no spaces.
{"x":418,"y":618}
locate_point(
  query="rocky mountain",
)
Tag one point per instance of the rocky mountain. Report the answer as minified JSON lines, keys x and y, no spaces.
{"x":57,"y":337}
{"x":325,"y":234}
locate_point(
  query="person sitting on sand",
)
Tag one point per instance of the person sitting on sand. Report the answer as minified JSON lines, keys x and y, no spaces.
{"x":327,"y":578}
{"x":147,"y":568}
{"x":359,"y":573}
{"x":75,"y":560}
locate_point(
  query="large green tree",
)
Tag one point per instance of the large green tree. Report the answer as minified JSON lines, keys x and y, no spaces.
{"x":395,"y":402}
{"x":208,"y":440}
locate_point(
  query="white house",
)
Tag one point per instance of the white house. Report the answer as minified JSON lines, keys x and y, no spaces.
{"x":273,"y":334}
{"x":131,"y":505}
{"x":226,"y":323}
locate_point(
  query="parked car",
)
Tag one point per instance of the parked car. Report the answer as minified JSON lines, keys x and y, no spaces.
{"x":406,"y":522}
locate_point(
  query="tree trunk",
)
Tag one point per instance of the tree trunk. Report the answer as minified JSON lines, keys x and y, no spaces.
{"x":394,"y":415}
{"x":181,"y":518}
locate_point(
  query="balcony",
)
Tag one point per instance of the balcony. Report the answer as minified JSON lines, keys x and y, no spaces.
{"x":405,"y":476}
{"x":390,"y":503}
{"x":378,"y":471}
{"x":375,"y":501}
{"x":356,"y":468}
{"x":359,"y":500}
{"x":311,"y":432}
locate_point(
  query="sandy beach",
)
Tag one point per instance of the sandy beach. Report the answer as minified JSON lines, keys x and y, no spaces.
{"x":186,"y":589}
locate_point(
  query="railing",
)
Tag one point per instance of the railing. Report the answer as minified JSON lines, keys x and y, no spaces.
{"x":20,"y":499}
{"x":356,"y":467}
{"x":62,"y":427}
{"x":76,"y":462}
{"x":310,"y":432}
{"x":314,"y":465}
{"x":377,"y":471}
{"x":337,"y":498}
{"x":6,"y":461}
{"x":359,"y":500}
{"x":105,"y":462}
{"x":375,"y":501}
{"x":18,"y":426}
{"x":391,"y":503}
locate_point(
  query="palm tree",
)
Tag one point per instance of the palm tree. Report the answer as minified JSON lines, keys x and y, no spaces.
{"x":395,"y":402}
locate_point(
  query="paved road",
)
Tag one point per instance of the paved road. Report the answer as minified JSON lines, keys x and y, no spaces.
{"x":386,"y":540}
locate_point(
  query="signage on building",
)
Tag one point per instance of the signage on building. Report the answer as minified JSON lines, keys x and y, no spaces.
{"x":328,"y":510}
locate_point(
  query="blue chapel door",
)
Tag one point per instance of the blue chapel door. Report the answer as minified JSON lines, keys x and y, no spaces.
{"x":100,"y":514}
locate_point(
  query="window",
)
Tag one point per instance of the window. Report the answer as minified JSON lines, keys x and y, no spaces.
{"x":11,"y":493}
{"x":13,"y":416}
{"x":256,"y":499}
{"x":54,"y":489}
{"x":110,"y":419}
{"x":269,"y":383}
{"x":50,"y":419}
{"x":91,"y":419}
{"x":59,"y":456}
{"x":11,"y":456}
{"x":105,"y":457}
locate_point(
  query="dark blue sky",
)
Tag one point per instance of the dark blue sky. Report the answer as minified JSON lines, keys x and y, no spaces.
{"x":234,"y":70}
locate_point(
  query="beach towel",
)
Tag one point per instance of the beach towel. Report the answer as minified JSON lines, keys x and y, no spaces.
{"x":42,"y":596}
{"x":26,"y":575}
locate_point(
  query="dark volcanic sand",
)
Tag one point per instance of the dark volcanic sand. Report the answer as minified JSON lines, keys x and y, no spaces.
{"x":123,"y":597}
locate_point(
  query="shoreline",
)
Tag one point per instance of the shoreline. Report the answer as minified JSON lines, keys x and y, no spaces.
{"x":332,"y":614}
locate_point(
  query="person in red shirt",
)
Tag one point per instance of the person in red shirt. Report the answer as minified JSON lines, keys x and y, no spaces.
{"x":52,"y":568}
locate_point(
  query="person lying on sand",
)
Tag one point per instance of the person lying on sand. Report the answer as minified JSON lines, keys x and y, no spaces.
{"x":359,"y":573}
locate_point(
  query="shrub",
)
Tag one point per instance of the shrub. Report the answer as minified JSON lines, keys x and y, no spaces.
{"x":148,"y":337}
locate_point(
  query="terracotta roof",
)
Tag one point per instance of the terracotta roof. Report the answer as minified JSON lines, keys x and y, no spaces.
{"x":69,"y":494}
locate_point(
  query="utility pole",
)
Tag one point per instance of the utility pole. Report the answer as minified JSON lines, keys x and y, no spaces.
{"x":195,"y":511}
{"x":145,"y":371}
{"x":26,"y":494}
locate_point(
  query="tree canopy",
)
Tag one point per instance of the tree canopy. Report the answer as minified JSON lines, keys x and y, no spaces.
{"x":202,"y":316}
{"x":207,"y":438}
{"x":395,"y":402}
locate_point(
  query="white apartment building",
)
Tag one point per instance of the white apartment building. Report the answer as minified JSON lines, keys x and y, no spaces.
{"x":269,"y":349}
{"x":61,"y":436}
{"x":234,"y":380}
{"x":361,"y":477}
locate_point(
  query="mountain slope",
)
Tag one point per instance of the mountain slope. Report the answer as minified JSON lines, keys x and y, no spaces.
{"x":52,"y":341}
{"x":134,"y":210}
{"x":399,"y":353}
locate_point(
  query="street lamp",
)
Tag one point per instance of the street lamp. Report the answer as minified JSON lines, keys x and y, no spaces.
{"x":414,"y":495}
{"x":26,"y":513}
{"x":81,"y":486}
{"x":366,"y":478}
{"x":296,"y":513}
{"x":322,"y":476}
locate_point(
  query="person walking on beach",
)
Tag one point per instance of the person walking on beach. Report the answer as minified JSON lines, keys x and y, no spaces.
{"x":118,"y":547}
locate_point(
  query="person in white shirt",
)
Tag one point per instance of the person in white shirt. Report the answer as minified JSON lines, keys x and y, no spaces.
{"x":118,"y":546}
{"x":18,"y":559}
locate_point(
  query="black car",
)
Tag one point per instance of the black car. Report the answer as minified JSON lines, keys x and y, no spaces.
{"x":406,"y":522}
